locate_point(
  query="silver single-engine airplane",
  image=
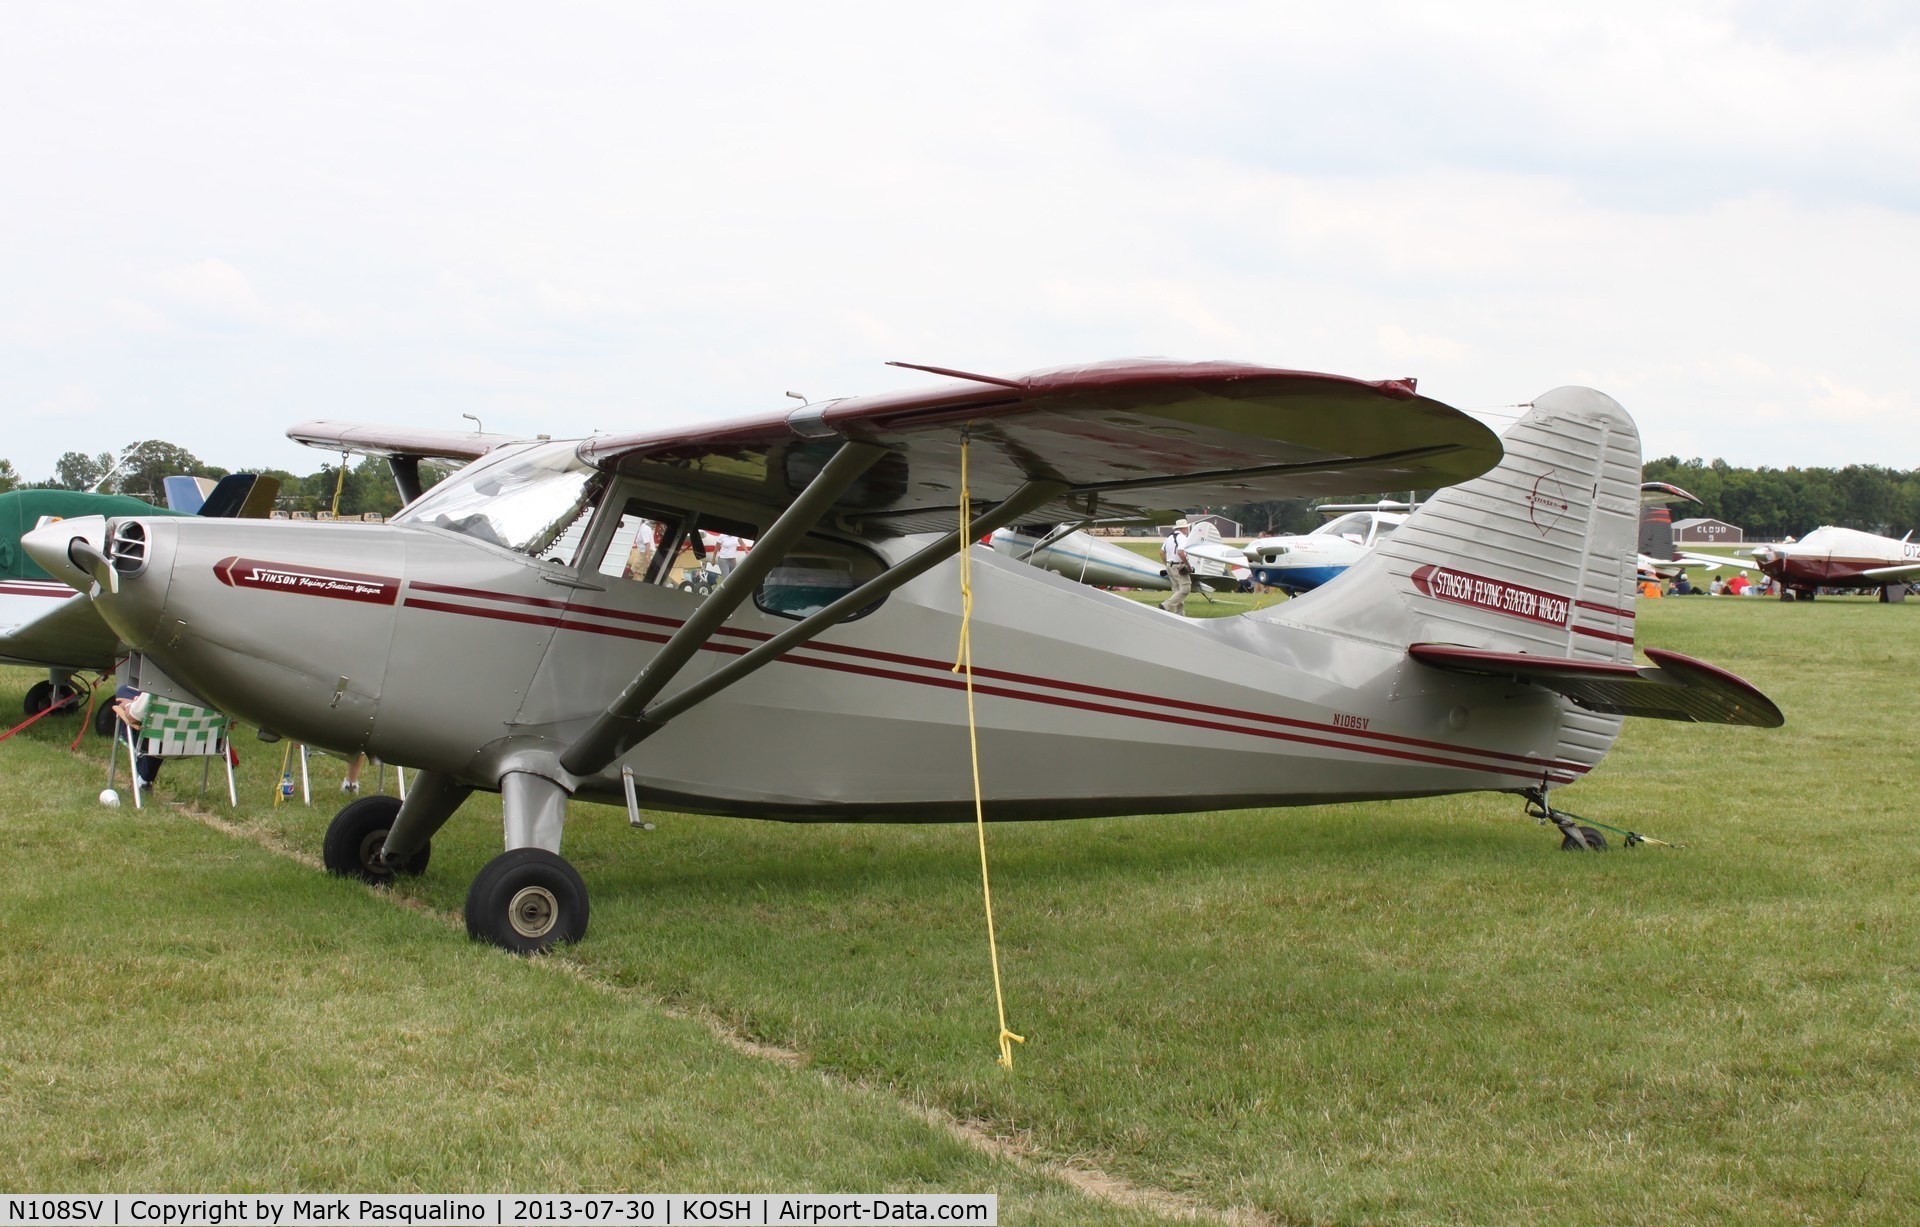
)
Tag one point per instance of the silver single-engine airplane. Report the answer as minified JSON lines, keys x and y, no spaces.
{"x":509,"y":630}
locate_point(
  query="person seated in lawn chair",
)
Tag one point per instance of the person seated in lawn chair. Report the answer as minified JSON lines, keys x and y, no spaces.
{"x":130,"y":709}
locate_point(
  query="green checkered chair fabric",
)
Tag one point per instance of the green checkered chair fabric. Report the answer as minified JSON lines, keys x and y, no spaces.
{"x":181,"y":730}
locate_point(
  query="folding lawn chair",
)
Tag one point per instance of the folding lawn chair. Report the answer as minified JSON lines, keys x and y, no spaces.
{"x":180,"y":730}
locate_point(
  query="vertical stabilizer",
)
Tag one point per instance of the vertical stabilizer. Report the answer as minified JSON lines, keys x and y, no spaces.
{"x":1535,"y":556}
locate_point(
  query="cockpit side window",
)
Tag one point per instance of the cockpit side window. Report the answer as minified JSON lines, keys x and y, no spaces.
{"x":643,"y":541}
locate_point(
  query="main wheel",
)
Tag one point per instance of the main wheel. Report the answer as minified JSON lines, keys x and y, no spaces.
{"x":527,"y":900}
{"x":42,"y":695}
{"x":358,"y":833}
{"x":1595,"y":841}
{"x":105,"y":723}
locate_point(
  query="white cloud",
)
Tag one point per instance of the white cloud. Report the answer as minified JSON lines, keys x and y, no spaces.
{"x":213,"y":288}
{"x":621,"y":215}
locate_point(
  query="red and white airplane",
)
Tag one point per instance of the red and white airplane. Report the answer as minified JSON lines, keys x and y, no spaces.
{"x":1831,"y":557}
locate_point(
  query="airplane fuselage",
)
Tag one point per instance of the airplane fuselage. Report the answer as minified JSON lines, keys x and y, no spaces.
{"x":432,"y":650}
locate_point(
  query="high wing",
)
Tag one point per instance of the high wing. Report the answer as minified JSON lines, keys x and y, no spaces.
{"x":1674,"y":687}
{"x":1129,"y":438}
{"x":366,"y":439}
{"x":404,"y":447}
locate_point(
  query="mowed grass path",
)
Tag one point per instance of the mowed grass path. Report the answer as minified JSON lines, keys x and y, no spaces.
{"x":1414,"y":1012}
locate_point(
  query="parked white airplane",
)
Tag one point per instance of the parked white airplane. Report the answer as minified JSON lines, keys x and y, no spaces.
{"x":1302,"y":562}
{"x":1087,"y":559}
{"x":1079,"y":556}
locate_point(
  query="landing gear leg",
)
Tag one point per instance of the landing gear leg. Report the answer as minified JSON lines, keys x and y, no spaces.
{"x":42,"y":695}
{"x":374,"y":838}
{"x":528,"y":899}
{"x":1574,"y":837}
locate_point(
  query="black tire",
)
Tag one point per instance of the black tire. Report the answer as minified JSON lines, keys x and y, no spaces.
{"x":686,"y":585}
{"x":1595,"y":841}
{"x":355,"y":837}
{"x":527,"y":900}
{"x":42,"y":695}
{"x":105,"y":723}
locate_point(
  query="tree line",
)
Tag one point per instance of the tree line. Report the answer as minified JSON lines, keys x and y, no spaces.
{"x":1768,"y":504}
{"x":142,"y":469}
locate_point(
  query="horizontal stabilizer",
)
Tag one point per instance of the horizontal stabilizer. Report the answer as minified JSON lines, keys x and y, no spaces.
{"x":1674,"y":687}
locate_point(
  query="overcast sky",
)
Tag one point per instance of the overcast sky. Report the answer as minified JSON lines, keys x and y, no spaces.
{"x":223,"y":218}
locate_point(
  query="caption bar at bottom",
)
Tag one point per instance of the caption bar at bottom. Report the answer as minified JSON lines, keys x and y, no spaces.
{"x":500,"y":1210}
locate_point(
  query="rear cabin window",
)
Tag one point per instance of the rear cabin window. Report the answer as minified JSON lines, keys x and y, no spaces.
{"x":815,"y":574}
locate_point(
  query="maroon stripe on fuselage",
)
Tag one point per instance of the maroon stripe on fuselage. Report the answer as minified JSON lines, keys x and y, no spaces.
{"x":801,"y":656}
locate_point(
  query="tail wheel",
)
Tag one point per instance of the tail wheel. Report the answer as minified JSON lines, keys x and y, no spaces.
{"x":1583,"y":839}
{"x":527,"y":900}
{"x":356,"y":836}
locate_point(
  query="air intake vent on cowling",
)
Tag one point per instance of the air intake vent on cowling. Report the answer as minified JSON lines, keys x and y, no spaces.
{"x":128,"y":548}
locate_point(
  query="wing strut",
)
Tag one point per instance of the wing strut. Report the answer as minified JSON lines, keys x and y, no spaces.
{"x":614,"y":732}
{"x":626,"y":725}
{"x":406,"y":477}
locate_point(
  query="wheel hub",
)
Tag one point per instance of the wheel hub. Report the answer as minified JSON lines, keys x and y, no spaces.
{"x":373,"y":853}
{"x":533,"y":912}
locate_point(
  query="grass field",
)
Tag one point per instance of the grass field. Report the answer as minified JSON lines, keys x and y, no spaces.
{"x":1400,"y":1013}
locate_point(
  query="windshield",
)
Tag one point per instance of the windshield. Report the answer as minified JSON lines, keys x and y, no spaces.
{"x":525,"y":498}
{"x":1353,"y":526}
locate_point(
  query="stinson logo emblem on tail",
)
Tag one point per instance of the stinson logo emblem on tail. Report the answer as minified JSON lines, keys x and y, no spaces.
{"x":1547,"y":502}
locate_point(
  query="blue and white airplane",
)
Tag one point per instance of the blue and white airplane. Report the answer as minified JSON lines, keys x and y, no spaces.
{"x":1302,"y":562}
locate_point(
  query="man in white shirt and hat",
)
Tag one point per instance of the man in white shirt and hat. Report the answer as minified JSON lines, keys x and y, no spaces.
{"x":1173,"y":552}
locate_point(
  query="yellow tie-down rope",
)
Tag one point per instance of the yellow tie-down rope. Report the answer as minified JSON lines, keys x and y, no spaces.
{"x":963,"y":664}
{"x":339,"y":484}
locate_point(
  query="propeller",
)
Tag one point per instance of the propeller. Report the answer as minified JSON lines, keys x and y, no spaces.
{"x":86,"y":555}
